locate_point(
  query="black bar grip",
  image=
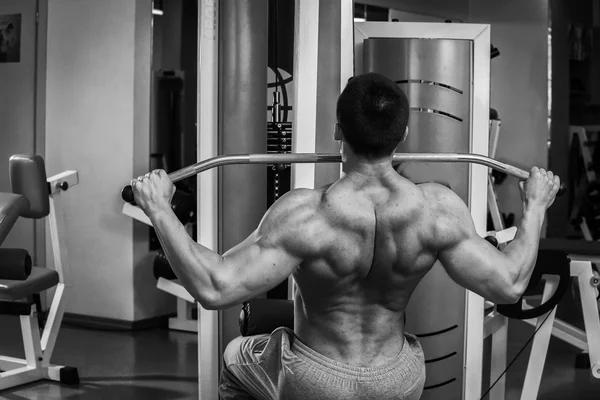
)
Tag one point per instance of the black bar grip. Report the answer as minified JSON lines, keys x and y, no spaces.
{"x":127,"y":194}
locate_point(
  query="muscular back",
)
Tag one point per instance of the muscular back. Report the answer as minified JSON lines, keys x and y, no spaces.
{"x":373,"y":247}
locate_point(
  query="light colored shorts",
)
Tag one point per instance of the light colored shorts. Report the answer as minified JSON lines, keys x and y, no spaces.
{"x":280,"y":366}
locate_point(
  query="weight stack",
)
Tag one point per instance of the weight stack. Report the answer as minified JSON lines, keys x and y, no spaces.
{"x":279,"y":141}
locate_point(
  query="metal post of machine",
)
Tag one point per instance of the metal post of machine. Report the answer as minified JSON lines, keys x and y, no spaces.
{"x":243,"y":127}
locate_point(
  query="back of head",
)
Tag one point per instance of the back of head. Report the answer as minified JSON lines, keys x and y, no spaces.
{"x":373,"y":114}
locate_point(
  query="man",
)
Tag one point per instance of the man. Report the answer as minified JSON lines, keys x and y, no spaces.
{"x":357,"y":249}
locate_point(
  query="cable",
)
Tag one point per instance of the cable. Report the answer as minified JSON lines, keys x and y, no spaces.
{"x":279,"y":81}
{"x":277,"y":74}
{"x":276,"y":55}
{"x":517,"y":356}
{"x":282,"y":82}
{"x":284,"y":94}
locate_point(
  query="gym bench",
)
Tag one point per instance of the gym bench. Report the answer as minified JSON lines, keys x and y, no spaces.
{"x":34,"y":196}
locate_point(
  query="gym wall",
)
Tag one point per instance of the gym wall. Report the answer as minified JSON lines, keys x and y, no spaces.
{"x":17,"y":113}
{"x":97,"y":121}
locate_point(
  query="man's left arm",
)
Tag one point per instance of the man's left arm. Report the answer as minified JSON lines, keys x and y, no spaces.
{"x":266,"y":258}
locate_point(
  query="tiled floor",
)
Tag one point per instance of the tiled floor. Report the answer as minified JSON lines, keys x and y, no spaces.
{"x":161,"y":364}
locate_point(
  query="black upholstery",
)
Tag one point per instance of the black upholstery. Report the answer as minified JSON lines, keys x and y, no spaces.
{"x":260,"y":316}
{"x":162,"y":268}
{"x":11,"y":206}
{"x":15,"y":264}
{"x":18,"y":279}
{"x":18,"y":307}
{"x":39,"y":280}
{"x":28,"y":178}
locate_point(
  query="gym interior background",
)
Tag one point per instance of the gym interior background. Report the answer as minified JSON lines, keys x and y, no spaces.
{"x":109,"y":88}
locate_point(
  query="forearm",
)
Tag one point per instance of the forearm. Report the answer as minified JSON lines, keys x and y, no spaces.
{"x":192,"y":263}
{"x":522,"y":251}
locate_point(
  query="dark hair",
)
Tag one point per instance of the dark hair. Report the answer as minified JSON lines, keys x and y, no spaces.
{"x":373,"y":113}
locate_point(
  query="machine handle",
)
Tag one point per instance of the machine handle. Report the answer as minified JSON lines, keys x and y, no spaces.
{"x":308,"y":158}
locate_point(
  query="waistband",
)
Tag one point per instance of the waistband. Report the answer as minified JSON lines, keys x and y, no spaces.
{"x":407,"y":364}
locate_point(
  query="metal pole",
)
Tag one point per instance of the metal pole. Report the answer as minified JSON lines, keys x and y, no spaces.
{"x":243,"y":128}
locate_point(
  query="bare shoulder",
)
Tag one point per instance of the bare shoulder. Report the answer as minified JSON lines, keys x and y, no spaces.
{"x":441,"y":198}
{"x":444,"y":203}
{"x":295,"y":221}
{"x":295,"y":205}
{"x":448,"y":216}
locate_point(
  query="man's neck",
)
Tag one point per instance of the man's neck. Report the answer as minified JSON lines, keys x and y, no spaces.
{"x":357,"y":167}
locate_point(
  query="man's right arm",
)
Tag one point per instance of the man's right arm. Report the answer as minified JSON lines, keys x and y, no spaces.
{"x":499,"y":276}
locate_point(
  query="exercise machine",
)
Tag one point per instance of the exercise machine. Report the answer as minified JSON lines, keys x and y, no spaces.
{"x":572,"y":259}
{"x":453,"y":341}
{"x":21,"y":284}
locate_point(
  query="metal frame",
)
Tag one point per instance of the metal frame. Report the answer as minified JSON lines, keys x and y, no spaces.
{"x":346,"y":45}
{"x":580,"y":268}
{"x":496,"y":326}
{"x":183,"y":321}
{"x":136,"y":213}
{"x":207,"y":200}
{"x":304,"y":128}
{"x":497,"y":220}
{"x":479,"y":116}
{"x":588,"y":340}
{"x":40,"y":109}
{"x":306,"y":51}
{"x":539,"y":347}
{"x":495,"y":125}
{"x":38,"y":350}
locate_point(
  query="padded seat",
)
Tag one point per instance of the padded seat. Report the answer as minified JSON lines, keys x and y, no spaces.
{"x":11,"y":207}
{"x":39,"y":280}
